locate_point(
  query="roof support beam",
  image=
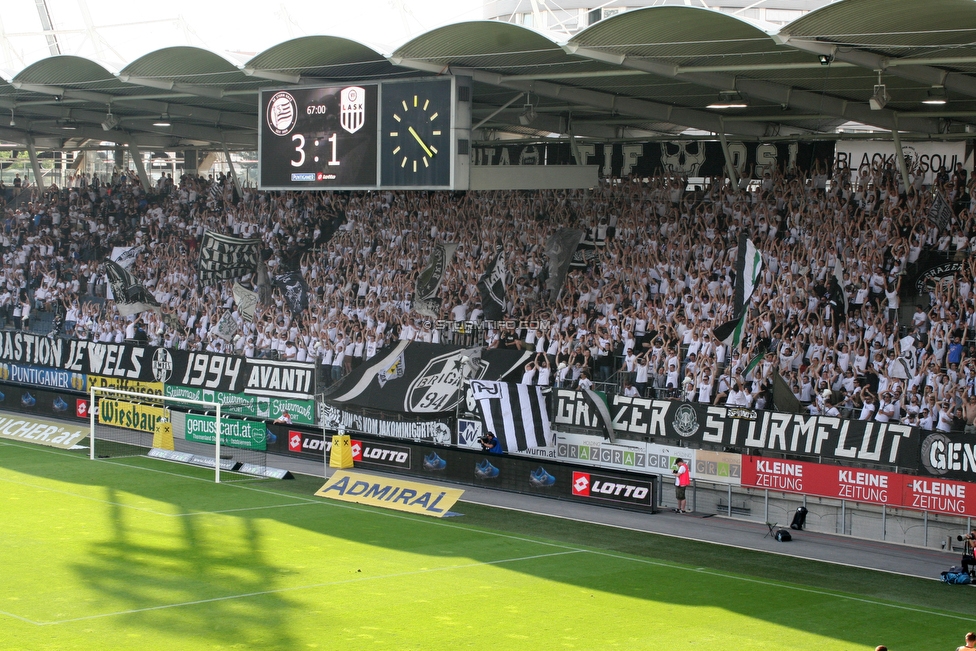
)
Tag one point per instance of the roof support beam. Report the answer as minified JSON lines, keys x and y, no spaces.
{"x":35,"y":164}
{"x":272,"y":75}
{"x":164,"y":84}
{"x":655,"y":111}
{"x":140,"y":166}
{"x":905,"y":68}
{"x":769,"y":91}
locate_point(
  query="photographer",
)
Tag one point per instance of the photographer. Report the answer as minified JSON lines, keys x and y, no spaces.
{"x":968,"y":561}
{"x":491,"y":444}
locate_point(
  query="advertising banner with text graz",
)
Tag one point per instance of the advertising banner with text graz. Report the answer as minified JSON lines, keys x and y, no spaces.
{"x":818,"y":436}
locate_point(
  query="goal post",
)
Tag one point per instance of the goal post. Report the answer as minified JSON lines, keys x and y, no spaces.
{"x":124,"y":423}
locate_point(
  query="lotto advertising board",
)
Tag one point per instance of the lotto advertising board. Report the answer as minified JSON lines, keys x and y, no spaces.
{"x":524,"y":474}
{"x":860,"y":485}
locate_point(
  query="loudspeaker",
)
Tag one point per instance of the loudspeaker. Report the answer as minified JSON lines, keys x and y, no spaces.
{"x":783,"y":535}
{"x":799,"y":518}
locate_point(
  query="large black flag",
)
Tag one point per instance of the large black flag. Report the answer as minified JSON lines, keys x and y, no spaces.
{"x":129,"y":294}
{"x":224,"y":257}
{"x":560,"y":248}
{"x":294,"y":289}
{"x":425,"y":299}
{"x":492,"y":288}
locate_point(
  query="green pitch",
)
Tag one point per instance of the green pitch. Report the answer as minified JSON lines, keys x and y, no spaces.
{"x":142,"y":554}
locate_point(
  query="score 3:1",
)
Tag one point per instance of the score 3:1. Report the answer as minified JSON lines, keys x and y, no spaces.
{"x":300,"y":148}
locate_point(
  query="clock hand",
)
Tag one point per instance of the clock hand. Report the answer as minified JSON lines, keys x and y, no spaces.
{"x":417,"y":137}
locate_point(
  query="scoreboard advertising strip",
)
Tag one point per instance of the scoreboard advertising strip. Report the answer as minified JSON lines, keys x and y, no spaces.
{"x":860,"y":485}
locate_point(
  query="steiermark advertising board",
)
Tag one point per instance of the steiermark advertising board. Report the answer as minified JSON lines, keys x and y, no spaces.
{"x":239,"y":404}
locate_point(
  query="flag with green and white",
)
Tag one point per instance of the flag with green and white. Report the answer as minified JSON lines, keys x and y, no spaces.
{"x":747,"y":269}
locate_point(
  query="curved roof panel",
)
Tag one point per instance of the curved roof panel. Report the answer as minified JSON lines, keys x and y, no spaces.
{"x":891,"y":25}
{"x":327,"y":57}
{"x":660,"y":69}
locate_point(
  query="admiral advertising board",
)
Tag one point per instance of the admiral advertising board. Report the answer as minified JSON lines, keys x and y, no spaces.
{"x":795,"y":434}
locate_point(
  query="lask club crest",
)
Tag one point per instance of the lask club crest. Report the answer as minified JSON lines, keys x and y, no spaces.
{"x":438,"y":387}
{"x":352,"y":108}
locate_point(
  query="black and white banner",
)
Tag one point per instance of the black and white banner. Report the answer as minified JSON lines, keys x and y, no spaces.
{"x":421,"y":378}
{"x":940,"y":212}
{"x":515,"y":413}
{"x":294,"y":290}
{"x":492,"y":288}
{"x":224,"y":257}
{"x":734,"y":427}
{"x":435,"y":430}
{"x":129,"y":294}
{"x":280,"y":379}
{"x":560,"y":249}
{"x":246,"y":301}
{"x":425,"y":299}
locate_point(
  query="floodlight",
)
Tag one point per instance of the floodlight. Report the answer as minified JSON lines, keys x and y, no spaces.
{"x":879,"y":98}
{"x":936,"y":95}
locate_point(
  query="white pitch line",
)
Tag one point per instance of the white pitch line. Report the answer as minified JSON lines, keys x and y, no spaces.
{"x":296,"y":588}
{"x":4,"y":613}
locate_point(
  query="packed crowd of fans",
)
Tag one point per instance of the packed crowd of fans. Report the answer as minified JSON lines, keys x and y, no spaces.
{"x":639,"y":317}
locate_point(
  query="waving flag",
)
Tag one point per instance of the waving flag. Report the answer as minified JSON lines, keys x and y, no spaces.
{"x":747,"y":269}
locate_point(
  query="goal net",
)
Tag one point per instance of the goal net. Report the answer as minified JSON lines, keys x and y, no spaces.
{"x":129,"y":423}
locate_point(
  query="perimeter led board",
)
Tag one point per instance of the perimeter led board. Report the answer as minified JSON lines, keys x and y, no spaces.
{"x":318,"y":138}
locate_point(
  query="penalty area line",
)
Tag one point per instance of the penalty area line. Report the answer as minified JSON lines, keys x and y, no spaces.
{"x":294,"y":589}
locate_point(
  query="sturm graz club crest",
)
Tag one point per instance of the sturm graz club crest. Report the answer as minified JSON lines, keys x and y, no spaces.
{"x":685,"y":421}
{"x":162,"y":365}
{"x":935,"y":449}
{"x":438,"y":387}
{"x":352,"y":108}
{"x":282,"y":113}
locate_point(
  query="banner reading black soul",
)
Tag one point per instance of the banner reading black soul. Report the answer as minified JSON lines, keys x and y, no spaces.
{"x":868,"y":442}
{"x":519,"y":474}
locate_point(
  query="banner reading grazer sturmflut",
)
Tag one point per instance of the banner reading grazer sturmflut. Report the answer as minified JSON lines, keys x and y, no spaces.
{"x":224,"y":257}
{"x":235,"y":433}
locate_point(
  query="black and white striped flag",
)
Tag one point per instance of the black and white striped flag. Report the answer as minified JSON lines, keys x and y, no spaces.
{"x":515,"y":413}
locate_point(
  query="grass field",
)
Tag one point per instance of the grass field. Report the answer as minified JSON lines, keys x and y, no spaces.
{"x":142,"y":554}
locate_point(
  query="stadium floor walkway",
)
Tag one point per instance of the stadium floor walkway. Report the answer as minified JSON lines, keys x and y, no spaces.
{"x":844,"y":550}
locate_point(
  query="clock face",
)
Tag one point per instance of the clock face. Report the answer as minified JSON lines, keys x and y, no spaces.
{"x":415,"y":147}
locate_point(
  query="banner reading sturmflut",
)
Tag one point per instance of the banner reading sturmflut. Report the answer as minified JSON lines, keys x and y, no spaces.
{"x":224,"y":257}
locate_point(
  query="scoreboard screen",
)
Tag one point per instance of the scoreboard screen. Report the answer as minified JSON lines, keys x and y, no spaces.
{"x":318,"y":138}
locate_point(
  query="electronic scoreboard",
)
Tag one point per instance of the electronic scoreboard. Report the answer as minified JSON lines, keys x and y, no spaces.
{"x":387,"y":134}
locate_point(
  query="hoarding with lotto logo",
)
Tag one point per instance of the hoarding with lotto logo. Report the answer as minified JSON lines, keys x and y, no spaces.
{"x":235,"y":433}
{"x":605,"y":488}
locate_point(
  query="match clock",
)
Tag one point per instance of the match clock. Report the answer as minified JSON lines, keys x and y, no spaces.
{"x":416,"y":137}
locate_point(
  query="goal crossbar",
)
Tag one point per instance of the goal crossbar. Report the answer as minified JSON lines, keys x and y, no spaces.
{"x":152,"y":397}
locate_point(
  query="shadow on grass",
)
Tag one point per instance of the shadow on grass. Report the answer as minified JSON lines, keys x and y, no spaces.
{"x":122,"y":567}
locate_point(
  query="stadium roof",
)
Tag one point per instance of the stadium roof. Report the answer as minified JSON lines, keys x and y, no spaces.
{"x":653,"y":72}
